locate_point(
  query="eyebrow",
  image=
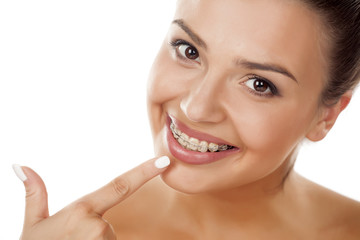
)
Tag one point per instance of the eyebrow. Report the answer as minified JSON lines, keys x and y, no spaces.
{"x":190,"y":32}
{"x":266,"y":67}
{"x":239,"y":62}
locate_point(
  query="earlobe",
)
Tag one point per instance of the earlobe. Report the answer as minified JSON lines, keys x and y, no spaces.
{"x":318,"y":132}
{"x":328,"y":118}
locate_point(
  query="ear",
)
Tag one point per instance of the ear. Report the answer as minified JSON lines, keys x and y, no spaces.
{"x":327,"y":118}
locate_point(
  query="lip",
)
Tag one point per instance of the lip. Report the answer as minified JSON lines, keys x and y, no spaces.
{"x":193,"y":157}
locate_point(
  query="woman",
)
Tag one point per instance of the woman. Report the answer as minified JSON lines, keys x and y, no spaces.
{"x":235,"y":89}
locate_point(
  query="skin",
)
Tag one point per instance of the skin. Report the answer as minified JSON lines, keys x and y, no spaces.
{"x":211,"y":96}
{"x":252,"y":194}
{"x":82,"y":219}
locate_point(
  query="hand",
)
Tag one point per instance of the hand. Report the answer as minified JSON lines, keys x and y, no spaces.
{"x":82,"y":219}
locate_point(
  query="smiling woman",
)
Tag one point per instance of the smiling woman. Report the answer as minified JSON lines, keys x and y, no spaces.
{"x":236,"y":88}
{"x":242,"y":88}
{"x":224,"y":96}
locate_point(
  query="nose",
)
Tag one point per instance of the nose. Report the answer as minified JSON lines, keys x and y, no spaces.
{"x":203,"y":101}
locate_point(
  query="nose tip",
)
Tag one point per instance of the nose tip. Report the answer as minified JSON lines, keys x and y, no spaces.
{"x":202,"y":106}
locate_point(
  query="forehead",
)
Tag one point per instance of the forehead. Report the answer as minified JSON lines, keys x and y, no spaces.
{"x":282,"y":31}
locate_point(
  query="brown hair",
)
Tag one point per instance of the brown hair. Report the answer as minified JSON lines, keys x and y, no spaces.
{"x":342,"y":26}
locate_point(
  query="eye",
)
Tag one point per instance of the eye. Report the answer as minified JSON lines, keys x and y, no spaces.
{"x":185,"y":50}
{"x":188,"y":51}
{"x":261,"y":86}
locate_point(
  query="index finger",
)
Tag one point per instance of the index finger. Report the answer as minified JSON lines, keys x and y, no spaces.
{"x":123,"y":186}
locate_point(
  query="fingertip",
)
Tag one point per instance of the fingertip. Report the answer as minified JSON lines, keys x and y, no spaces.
{"x":29,"y":177}
{"x":19,"y":172}
{"x":36,"y":207}
{"x":162,"y":162}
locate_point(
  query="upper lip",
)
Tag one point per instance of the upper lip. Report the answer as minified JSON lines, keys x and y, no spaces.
{"x":197,"y":134}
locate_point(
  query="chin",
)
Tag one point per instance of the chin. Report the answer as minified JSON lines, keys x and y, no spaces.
{"x":186,"y":178}
{"x":200,"y":179}
{"x":185,"y":182}
{"x":180,"y":186}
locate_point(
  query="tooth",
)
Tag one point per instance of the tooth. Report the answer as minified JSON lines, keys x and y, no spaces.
{"x":193,"y":144}
{"x":213,"y":147}
{"x":203,"y":146}
{"x":183,"y":140}
{"x":175,"y":135}
{"x":184,"y":137}
{"x":177,"y":131}
{"x":223,"y":147}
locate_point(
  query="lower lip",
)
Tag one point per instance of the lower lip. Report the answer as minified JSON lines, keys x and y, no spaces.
{"x":193,"y":157}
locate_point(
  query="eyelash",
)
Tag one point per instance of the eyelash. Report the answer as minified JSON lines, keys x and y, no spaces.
{"x":274,"y":91}
{"x":175,"y":44}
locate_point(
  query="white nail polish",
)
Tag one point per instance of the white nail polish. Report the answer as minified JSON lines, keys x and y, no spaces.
{"x":19,"y":172}
{"x":162,"y":162}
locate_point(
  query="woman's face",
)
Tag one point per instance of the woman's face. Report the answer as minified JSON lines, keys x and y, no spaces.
{"x":242,"y":75}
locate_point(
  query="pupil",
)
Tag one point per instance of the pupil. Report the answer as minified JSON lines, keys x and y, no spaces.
{"x":191,"y":53}
{"x":260,"y":86}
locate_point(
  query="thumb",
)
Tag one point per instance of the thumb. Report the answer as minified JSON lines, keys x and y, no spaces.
{"x":36,"y":196}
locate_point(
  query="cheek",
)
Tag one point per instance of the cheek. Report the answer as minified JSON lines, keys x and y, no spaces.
{"x":166,"y":81}
{"x":271,"y":131}
{"x":269,"y":136}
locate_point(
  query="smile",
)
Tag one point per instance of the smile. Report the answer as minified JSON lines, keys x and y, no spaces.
{"x":194,"y":147}
{"x":195,"y":144}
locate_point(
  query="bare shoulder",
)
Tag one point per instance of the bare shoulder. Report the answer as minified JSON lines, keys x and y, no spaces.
{"x":338,"y":215}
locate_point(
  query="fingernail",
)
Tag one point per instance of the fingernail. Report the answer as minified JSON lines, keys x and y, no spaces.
{"x":19,"y":172}
{"x":162,"y":162}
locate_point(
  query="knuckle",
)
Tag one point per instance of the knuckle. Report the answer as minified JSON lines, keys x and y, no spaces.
{"x":35,"y":194}
{"x":101,"y":228}
{"x":81,"y":208}
{"x":30,"y":194}
{"x":120,"y":186}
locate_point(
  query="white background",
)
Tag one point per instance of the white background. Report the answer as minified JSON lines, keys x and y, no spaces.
{"x":72,"y":101}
